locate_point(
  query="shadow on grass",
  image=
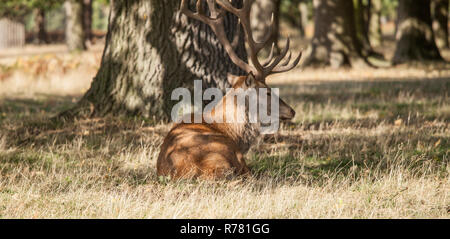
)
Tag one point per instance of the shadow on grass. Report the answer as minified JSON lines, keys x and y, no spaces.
{"x":90,"y":170}
{"x":313,"y":160}
{"x":316,"y":160}
{"x":41,"y":104}
{"x":338,"y":92}
{"x":415,"y":100}
{"x":286,"y":159}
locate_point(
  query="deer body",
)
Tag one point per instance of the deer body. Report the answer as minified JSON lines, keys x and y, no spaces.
{"x":200,"y":150}
{"x":207,"y":150}
{"x":216,"y":149}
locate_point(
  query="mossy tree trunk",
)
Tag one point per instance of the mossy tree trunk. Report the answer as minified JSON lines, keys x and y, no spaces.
{"x":75,"y":36}
{"x":414,"y":37}
{"x":440,"y":22}
{"x":335,"y":42}
{"x":151,"y":49}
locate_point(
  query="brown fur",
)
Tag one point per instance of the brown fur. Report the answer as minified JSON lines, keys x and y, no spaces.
{"x":215,"y":150}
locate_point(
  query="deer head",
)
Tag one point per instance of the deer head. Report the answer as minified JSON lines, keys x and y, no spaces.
{"x":258,"y":70}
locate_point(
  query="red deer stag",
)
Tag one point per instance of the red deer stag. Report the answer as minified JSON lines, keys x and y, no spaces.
{"x":216,"y":150}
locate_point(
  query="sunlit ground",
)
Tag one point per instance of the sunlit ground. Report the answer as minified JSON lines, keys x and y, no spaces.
{"x":365,"y":143}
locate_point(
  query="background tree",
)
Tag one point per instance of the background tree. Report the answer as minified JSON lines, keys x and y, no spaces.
{"x":87,"y":19}
{"x":304,"y":13}
{"x":362,"y":14}
{"x":296,"y":13}
{"x":375,"y":34}
{"x":18,"y":9}
{"x":362,"y":22}
{"x":414,"y":37}
{"x":75,"y":35}
{"x":335,"y":42}
{"x":151,"y":49}
{"x":440,"y":22}
{"x":261,"y":20}
{"x":40,"y":25}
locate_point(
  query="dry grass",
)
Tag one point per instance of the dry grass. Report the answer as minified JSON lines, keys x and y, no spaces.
{"x":361,"y":146}
{"x":47,"y":70}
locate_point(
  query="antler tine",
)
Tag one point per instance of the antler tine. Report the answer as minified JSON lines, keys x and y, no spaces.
{"x":216,"y":22}
{"x":256,"y":45}
{"x":287,"y":59}
{"x":225,"y":4}
{"x":198,"y":16}
{"x":278,"y":59}
{"x":285,"y":68}
{"x":270,"y":57}
{"x":268,"y":38}
{"x":243,"y":15}
{"x":213,"y":10}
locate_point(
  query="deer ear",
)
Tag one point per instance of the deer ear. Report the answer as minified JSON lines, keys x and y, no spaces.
{"x":250,"y":81}
{"x":232,"y":79}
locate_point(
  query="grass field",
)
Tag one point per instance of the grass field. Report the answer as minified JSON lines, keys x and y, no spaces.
{"x":364,"y":144}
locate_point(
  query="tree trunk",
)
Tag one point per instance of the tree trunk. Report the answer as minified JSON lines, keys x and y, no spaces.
{"x":75,"y":36}
{"x":292,"y":17}
{"x":261,"y":16}
{"x":87,"y":19}
{"x":362,"y":21}
{"x":335,"y":42}
{"x":415,"y":38}
{"x":375,"y":34}
{"x":151,"y":49}
{"x":40,"y":23}
{"x":362,"y":24}
{"x":303,"y":8}
{"x":440,"y":22}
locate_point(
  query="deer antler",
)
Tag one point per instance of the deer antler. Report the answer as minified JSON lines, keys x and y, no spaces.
{"x":216,"y":20}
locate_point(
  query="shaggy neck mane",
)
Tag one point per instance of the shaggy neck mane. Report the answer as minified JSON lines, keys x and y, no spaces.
{"x":243,"y":133}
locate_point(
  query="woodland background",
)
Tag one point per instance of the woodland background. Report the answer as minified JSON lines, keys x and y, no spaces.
{"x":84,"y":108}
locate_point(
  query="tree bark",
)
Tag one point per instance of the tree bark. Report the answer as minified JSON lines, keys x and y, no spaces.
{"x":375,"y":34}
{"x":335,"y":42}
{"x":87,"y":19}
{"x":151,"y":49}
{"x":75,"y":36}
{"x":261,"y":16}
{"x":415,"y":38}
{"x":440,"y":22}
